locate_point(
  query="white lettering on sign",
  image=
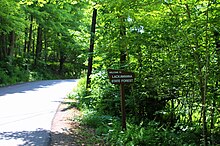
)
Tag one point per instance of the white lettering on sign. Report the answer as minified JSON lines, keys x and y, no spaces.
{"x":122,"y":81}
{"x":116,"y":81}
{"x":126,"y":80}
{"x":121,"y":76}
{"x":113,"y":72}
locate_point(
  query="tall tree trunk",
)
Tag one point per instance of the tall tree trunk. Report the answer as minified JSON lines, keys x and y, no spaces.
{"x":45,"y":46}
{"x":3,"y":46}
{"x":92,"y":41}
{"x":25,"y":41}
{"x":11,"y":43}
{"x":30,"y":34}
{"x":28,"y":41}
{"x":206,"y":72}
{"x":215,"y":96}
{"x":61,"y":60}
{"x":33,"y":48}
{"x":122,"y":48}
{"x":39,"y":44}
{"x":203,"y":87}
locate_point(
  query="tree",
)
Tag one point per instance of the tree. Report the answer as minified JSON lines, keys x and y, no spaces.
{"x":91,"y":48}
{"x":171,"y":46}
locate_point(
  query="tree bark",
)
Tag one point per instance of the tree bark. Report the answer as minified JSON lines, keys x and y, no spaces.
{"x":25,"y":41}
{"x":122,"y":48}
{"x":39,"y":44}
{"x":11,"y":43}
{"x":61,"y":60}
{"x":3,"y":46}
{"x":45,"y":46}
{"x":92,"y":41}
{"x":215,"y":96}
{"x":30,"y":35}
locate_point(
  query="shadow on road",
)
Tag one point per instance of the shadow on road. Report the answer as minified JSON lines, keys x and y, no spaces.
{"x":27,"y":137}
{"x":64,"y":139}
{"x":30,"y":86}
{"x":35,"y":138}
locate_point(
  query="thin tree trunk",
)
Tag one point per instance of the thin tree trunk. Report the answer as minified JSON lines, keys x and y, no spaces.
{"x":33,"y":48}
{"x":25,"y":41}
{"x":39,"y":44}
{"x":3,"y":45}
{"x":205,"y":134}
{"x":11,"y":43}
{"x":30,"y":35}
{"x":202,"y":86}
{"x":92,"y":41}
{"x":123,"y":53}
{"x":217,"y":43}
{"x":45,"y":46}
{"x":61,"y":60}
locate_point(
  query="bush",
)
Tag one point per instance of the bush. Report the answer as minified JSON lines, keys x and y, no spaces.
{"x":97,"y":121}
{"x":151,"y":135}
{"x":80,"y":94}
{"x":11,"y":73}
{"x":102,"y":96}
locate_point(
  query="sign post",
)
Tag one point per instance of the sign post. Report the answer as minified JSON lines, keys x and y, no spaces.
{"x":121,"y":77}
{"x":122,"y":92}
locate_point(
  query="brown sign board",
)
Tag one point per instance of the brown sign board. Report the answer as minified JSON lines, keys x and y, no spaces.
{"x":120,"y":76}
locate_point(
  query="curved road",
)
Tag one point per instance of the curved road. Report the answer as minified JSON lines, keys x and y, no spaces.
{"x":27,"y":110}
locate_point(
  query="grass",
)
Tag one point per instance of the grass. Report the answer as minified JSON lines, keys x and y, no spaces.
{"x":88,"y":136}
{"x":86,"y":132}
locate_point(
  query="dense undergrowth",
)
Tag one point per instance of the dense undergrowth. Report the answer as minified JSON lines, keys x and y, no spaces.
{"x":101,"y":107}
{"x":18,"y":71}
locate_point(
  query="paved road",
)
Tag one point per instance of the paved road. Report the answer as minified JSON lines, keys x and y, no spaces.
{"x":27,"y":110}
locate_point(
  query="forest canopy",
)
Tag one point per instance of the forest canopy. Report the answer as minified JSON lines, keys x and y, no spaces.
{"x":42,"y":39}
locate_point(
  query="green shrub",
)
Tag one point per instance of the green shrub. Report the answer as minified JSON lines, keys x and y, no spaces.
{"x":152,"y":135}
{"x":97,"y":121}
{"x":11,"y":73}
{"x":80,"y":94}
{"x":104,"y":96}
{"x":4,"y":78}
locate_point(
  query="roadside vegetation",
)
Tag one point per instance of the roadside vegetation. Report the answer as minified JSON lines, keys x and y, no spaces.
{"x":173,"y":49}
{"x":101,"y":112}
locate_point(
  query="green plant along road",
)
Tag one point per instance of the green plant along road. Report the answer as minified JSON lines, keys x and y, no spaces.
{"x":172,"y":46}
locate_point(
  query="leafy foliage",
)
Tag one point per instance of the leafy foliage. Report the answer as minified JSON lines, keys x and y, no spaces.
{"x":49,"y":38}
{"x":173,"y":49}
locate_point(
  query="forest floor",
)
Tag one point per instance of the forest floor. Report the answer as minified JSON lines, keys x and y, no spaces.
{"x":66,"y":129}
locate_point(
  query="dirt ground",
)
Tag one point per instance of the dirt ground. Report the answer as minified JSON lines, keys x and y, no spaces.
{"x":67,"y":131}
{"x":64,"y":129}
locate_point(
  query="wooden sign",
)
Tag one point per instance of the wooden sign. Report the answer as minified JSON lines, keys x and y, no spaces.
{"x":120,"y":76}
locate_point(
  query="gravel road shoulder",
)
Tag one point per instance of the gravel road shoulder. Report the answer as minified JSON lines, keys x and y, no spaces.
{"x":67,"y":131}
{"x":64,"y":127}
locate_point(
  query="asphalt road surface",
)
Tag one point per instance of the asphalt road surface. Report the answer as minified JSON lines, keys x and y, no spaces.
{"x":27,"y":110}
